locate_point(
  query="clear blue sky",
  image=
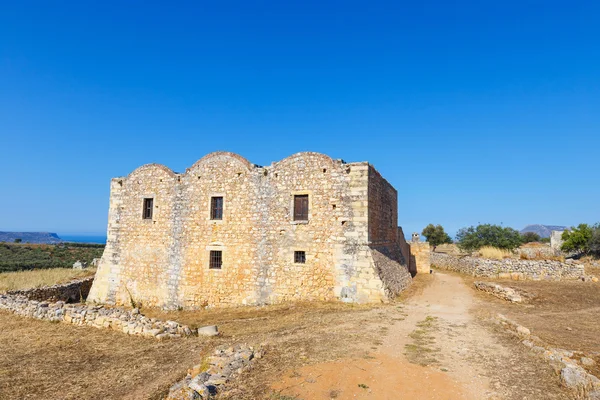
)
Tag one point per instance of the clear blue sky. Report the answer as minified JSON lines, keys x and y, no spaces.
{"x":476,"y":111}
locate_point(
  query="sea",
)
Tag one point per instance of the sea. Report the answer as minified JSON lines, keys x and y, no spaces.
{"x":101,"y":239}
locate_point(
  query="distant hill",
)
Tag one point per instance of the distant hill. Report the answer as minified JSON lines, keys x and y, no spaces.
{"x":30,"y":237}
{"x":543,"y":230}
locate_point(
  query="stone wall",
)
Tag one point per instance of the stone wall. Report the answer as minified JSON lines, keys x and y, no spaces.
{"x":536,"y":251}
{"x":129,"y":322}
{"x":509,"y":268}
{"x":405,"y":250}
{"x":421,"y":252}
{"x":164,"y":261}
{"x":73,"y":291}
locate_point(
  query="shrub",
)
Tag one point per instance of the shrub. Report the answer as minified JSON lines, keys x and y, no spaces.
{"x":584,"y":240}
{"x":436,"y":235}
{"x":577,"y":239}
{"x":529,"y":237}
{"x":494,"y":253}
{"x":473,"y":238}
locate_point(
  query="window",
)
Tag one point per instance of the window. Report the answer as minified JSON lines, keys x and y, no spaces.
{"x":147,"y":211}
{"x":301,"y":207}
{"x":300,"y":257}
{"x":216,"y":259}
{"x":216,"y":208}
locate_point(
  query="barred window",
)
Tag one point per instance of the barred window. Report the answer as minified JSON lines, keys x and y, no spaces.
{"x":301,"y":207}
{"x":300,"y":257}
{"x":216,"y":259}
{"x":216,"y":208}
{"x":147,"y":208}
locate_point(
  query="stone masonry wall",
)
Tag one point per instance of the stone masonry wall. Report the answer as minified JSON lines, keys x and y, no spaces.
{"x":164,"y":261}
{"x":383,"y":235}
{"x":73,"y":291}
{"x":130,"y":322}
{"x":421,"y":251}
{"x":508,"y":268}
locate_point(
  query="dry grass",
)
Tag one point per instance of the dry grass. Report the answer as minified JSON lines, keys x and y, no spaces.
{"x":40,"y":277}
{"x":494,"y":253}
{"x":564,"y":314}
{"x":44,"y":360}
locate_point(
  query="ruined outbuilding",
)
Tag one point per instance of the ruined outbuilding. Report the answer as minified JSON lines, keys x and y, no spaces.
{"x":227,"y":232}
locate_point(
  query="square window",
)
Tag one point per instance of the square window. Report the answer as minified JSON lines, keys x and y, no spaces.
{"x":147,"y":208}
{"x":301,"y":207}
{"x":300,"y":257}
{"x":216,"y":208}
{"x":216,"y":259}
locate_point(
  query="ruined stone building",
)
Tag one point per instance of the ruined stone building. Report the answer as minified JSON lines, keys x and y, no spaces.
{"x":227,"y":232}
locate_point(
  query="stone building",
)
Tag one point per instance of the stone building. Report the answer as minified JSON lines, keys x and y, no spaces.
{"x":227,"y":232}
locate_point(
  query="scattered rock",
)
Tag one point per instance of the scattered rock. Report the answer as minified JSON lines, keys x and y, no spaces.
{"x":574,"y":378}
{"x":523,"y":331}
{"x":210,"y":330}
{"x":501,"y":292}
{"x":225,"y":364}
{"x":588,"y":362}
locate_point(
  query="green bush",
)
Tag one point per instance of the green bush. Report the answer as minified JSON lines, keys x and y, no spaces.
{"x":529,"y":237}
{"x":583,"y":239}
{"x":436,"y":235}
{"x":473,"y":238}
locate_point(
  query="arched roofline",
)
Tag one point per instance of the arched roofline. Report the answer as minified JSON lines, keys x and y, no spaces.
{"x":161,"y":167}
{"x":234,"y":156}
{"x":301,"y":154}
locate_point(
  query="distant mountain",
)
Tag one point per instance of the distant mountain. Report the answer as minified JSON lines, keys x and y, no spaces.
{"x":543,"y":230}
{"x":30,"y":237}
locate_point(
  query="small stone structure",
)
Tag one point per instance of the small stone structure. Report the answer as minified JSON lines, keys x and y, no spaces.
{"x":79,"y":265}
{"x":509,"y":268}
{"x":418,"y":260}
{"x":556,"y":241}
{"x":130,"y":322}
{"x":73,"y":291}
{"x":227,"y":232}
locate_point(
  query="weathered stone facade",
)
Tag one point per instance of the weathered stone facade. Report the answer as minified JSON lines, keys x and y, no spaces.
{"x":350,"y":239}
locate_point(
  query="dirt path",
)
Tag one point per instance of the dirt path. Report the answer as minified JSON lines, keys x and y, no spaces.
{"x":439,"y":350}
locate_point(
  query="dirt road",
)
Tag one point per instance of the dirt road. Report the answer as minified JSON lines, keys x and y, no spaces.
{"x":437,"y":349}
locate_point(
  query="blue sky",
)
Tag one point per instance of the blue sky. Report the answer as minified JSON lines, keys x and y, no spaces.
{"x":476,"y":111}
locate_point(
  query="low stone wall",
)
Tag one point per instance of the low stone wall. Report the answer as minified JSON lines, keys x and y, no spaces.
{"x":509,"y":268}
{"x":129,"y":322}
{"x":504,"y":293}
{"x":73,"y":291}
{"x":532,"y":252}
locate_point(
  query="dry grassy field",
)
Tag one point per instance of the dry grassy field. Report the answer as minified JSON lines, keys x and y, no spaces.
{"x":46,"y":360}
{"x":59,"y":361}
{"x":563,"y":314}
{"x":41,"y":277}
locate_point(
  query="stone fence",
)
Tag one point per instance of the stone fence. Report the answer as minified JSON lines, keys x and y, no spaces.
{"x":73,"y":291}
{"x":98,"y":316}
{"x":509,"y":268}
